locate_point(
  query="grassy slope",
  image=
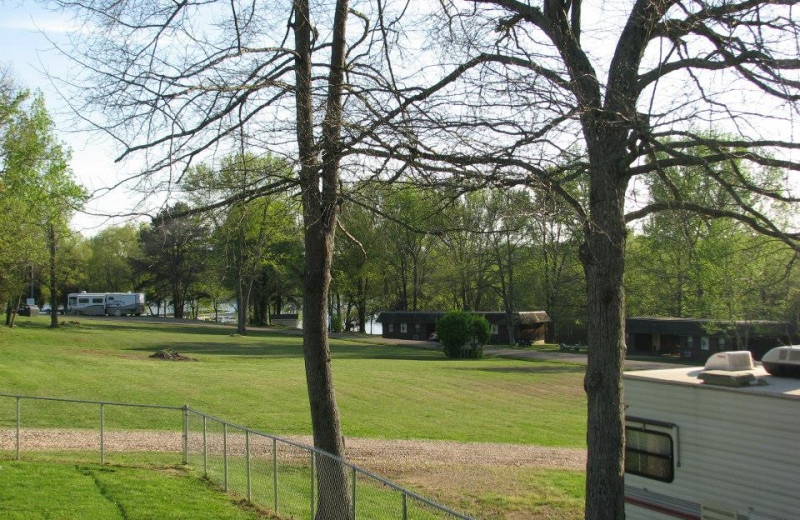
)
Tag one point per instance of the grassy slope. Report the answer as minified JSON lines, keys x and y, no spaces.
{"x":258,"y":380}
{"x":32,"y":491}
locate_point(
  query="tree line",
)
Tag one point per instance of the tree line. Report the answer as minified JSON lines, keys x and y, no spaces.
{"x":414,"y":249}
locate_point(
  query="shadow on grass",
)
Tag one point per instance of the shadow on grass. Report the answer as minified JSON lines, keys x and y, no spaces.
{"x":530,"y":369}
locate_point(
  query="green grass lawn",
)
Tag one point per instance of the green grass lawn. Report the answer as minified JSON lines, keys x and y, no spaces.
{"x":259,"y":380}
{"x":40,"y":490}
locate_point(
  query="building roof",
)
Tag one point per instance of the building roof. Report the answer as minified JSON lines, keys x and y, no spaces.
{"x":524,"y":318}
{"x":702,"y":326}
{"x":533,"y":317}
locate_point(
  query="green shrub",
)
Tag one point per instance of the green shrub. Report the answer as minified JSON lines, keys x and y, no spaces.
{"x":463,"y":334}
{"x":337,"y":324}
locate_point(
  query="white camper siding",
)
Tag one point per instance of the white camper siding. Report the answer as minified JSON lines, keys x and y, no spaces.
{"x":736,"y":448}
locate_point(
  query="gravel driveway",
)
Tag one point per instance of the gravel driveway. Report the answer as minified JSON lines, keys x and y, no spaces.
{"x":369,"y":453}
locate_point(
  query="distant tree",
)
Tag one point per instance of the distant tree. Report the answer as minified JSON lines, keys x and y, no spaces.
{"x":246,"y":226}
{"x":174,"y":250}
{"x":38,"y":186}
{"x":109,"y":268}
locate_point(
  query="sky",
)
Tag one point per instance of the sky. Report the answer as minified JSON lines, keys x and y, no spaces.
{"x":27,"y":33}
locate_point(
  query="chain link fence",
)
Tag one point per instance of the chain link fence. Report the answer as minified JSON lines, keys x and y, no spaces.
{"x":289,"y":478}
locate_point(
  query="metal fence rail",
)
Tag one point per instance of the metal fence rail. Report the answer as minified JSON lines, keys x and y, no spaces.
{"x":288,"y":477}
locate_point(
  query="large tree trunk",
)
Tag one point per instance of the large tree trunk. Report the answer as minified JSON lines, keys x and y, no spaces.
{"x":320,"y":207}
{"x":603,"y":260}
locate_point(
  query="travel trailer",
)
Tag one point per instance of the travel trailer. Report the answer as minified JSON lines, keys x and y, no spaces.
{"x":713,"y":443}
{"x":100,"y":304}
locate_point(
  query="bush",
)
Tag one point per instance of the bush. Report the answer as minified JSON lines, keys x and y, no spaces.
{"x":337,"y":324}
{"x":463,"y":334}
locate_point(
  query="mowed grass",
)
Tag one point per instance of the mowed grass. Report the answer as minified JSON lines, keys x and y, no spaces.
{"x":40,"y":490}
{"x":259,"y":381}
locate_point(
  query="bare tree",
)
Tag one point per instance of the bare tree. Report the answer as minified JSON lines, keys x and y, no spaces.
{"x":175,"y":83}
{"x":606,"y":93}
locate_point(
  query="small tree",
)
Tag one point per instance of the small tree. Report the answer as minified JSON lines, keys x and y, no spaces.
{"x":463,"y":334}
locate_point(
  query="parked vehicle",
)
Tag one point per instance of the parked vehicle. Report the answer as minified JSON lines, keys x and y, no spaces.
{"x":99,"y":304}
{"x":46,"y":309}
{"x":718,"y":442}
{"x":28,"y":310}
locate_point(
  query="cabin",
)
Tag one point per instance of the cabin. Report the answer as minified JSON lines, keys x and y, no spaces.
{"x":420,"y":325}
{"x":701,"y":447}
{"x":696,"y":339}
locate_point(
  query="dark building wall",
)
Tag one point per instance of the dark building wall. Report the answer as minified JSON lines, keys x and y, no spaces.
{"x":698,"y":339}
{"x":420,"y":326}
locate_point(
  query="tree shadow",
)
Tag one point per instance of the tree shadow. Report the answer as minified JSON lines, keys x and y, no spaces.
{"x":279,"y":350}
{"x":530,"y":369}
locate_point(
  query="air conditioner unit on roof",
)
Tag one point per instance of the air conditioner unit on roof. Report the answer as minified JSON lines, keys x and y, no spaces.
{"x":731,"y":361}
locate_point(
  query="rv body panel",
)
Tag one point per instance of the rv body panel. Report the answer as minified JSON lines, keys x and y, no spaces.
{"x":119,"y":304}
{"x":100,"y":304}
{"x":734,"y":448}
{"x":87,"y":304}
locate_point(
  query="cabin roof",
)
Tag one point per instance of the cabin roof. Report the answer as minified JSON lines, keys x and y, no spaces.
{"x":786,"y":387}
{"x":702,"y":326}
{"x":524,"y":318}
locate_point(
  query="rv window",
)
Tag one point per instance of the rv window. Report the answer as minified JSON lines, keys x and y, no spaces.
{"x":110,"y":298}
{"x":72,"y":301}
{"x":83,"y":300}
{"x":649,"y":454}
{"x":97,"y":300}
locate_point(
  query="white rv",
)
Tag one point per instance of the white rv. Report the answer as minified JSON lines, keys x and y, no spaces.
{"x":701,"y":447}
{"x":100,"y":304}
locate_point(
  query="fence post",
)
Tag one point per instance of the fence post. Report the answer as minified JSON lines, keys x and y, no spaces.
{"x":405,"y":506}
{"x":354,"y":493}
{"x":205,"y":449}
{"x":102,"y":434}
{"x":247,"y":459}
{"x":275,"y":471}
{"x":312,"y":485}
{"x":225,"y":455}
{"x":17,"y":429}
{"x":185,"y":434}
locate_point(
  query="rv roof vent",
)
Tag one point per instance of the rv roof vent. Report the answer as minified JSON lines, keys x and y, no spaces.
{"x":783,"y":361}
{"x":731,"y":361}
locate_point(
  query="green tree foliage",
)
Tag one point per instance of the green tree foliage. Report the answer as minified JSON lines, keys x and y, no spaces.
{"x":109,"y":267}
{"x":249,"y":232}
{"x":463,"y":334}
{"x":175,"y":248}
{"x":687,"y":265}
{"x":37,"y":192}
{"x":358,"y":266}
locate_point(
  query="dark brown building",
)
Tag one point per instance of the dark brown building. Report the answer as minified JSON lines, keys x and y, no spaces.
{"x":697,"y":339}
{"x":419,"y":325}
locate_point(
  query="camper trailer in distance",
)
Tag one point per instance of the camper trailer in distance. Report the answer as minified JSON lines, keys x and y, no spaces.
{"x":101,"y":304}
{"x":716,"y":443}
